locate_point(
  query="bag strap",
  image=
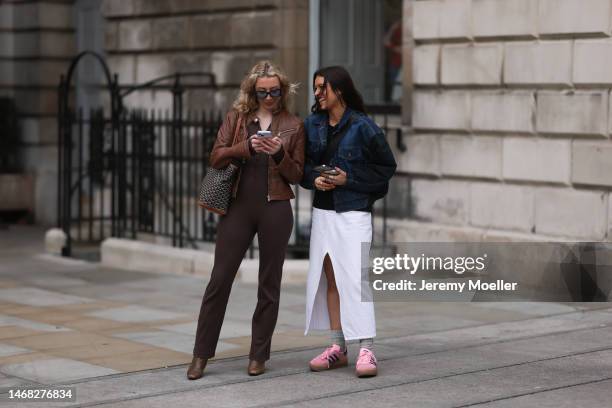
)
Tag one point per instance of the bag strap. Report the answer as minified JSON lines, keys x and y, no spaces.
{"x":237,"y":125}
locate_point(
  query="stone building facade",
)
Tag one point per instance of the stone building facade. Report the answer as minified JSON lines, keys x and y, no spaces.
{"x":505,"y":104}
{"x":146,"y":39}
{"x":511,"y":120}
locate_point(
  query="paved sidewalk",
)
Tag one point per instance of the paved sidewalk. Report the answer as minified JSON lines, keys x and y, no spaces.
{"x":124,"y":339}
{"x":64,"y":319}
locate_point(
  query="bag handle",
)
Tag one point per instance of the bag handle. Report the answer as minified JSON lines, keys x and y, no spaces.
{"x":236,"y":129}
{"x":237,"y":126}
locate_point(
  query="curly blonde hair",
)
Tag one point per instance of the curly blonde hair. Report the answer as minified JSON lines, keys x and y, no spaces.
{"x":246,"y":102}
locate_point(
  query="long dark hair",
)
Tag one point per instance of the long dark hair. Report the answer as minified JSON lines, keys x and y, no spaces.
{"x":341,"y":82}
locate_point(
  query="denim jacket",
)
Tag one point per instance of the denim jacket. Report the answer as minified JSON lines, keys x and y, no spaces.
{"x":363,"y":153}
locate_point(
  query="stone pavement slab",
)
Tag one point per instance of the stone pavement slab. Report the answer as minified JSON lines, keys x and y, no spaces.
{"x":47,"y":371}
{"x":174,"y":341}
{"x":9,"y":350}
{"x":589,"y":394}
{"x":38,"y":297}
{"x":134,"y":313}
{"x":6,"y":320}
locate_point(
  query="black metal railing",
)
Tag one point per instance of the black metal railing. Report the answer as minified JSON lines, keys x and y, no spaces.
{"x":128,"y":172}
{"x":388,"y":117}
{"x":9,"y":137}
{"x":143,"y":181}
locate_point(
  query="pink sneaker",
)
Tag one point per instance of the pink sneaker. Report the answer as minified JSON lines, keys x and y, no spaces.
{"x":332,"y":357}
{"x":366,"y":364}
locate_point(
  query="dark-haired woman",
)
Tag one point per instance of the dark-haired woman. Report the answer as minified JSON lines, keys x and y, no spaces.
{"x":359,"y":165}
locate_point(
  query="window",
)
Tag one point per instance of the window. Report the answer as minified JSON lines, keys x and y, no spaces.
{"x":392,"y":41}
{"x":365,"y":37}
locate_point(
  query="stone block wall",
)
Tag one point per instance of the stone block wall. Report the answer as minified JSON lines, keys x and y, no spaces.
{"x":150,"y":38}
{"x":512,"y":116}
{"x":36,"y":43}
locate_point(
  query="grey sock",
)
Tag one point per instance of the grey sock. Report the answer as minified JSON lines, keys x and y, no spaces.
{"x":366,"y":343}
{"x":337,"y":337}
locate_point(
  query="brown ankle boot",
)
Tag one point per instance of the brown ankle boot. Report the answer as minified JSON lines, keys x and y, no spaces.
{"x":196,"y":368}
{"x":256,"y":367}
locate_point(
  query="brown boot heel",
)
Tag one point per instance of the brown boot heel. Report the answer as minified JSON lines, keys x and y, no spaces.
{"x":256,"y":367}
{"x":196,"y":368}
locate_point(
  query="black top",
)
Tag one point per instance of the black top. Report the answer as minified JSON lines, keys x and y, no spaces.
{"x":324,"y":200}
{"x":254,"y":173}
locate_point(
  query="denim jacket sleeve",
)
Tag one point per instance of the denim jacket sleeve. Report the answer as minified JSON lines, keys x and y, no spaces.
{"x":309,"y":174}
{"x":380,"y":166}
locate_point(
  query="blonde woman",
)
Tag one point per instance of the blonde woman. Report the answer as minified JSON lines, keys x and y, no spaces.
{"x":268,"y":165}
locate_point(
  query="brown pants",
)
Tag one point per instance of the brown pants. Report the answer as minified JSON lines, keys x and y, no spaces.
{"x":273,"y":222}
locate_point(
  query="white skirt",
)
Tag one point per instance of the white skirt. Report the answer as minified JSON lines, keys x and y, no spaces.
{"x":341,"y":236}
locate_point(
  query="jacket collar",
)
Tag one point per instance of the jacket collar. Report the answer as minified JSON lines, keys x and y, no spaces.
{"x":322,"y":119}
{"x":345,"y":118}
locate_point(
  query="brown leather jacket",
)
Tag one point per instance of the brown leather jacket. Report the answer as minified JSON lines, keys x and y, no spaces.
{"x":290,"y":169}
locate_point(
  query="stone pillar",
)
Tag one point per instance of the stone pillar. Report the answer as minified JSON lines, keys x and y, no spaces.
{"x":36,"y":42}
{"x":292,"y":43}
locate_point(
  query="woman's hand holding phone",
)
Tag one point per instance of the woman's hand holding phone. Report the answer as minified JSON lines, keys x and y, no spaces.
{"x":338,"y":178}
{"x":329,"y":178}
{"x":322,"y":184}
{"x":256,"y":144}
{"x":266,"y":144}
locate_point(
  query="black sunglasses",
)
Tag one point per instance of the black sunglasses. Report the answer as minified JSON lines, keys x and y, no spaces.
{"x":275,"y":93}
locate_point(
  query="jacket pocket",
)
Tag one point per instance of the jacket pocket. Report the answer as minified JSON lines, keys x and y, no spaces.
{"x":352,"y":154}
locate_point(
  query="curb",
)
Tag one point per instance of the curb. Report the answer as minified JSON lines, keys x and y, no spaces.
{"x":147,"y":257}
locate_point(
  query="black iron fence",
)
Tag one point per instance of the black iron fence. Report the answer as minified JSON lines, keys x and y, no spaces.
{"x":135,"y":173}
{"x":388,"y":117}
{"x":132,"y":172}
{"x":9,"y":137}
{"x":142,"y":179}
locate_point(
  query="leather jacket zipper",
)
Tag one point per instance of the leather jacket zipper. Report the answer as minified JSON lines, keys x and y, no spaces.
{"x":268,"y":176}
{"x":285,"y":131}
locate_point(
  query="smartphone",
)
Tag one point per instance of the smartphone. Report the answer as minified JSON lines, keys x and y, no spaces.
{"x":264,"y":133}
{"x":325,"y":169}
